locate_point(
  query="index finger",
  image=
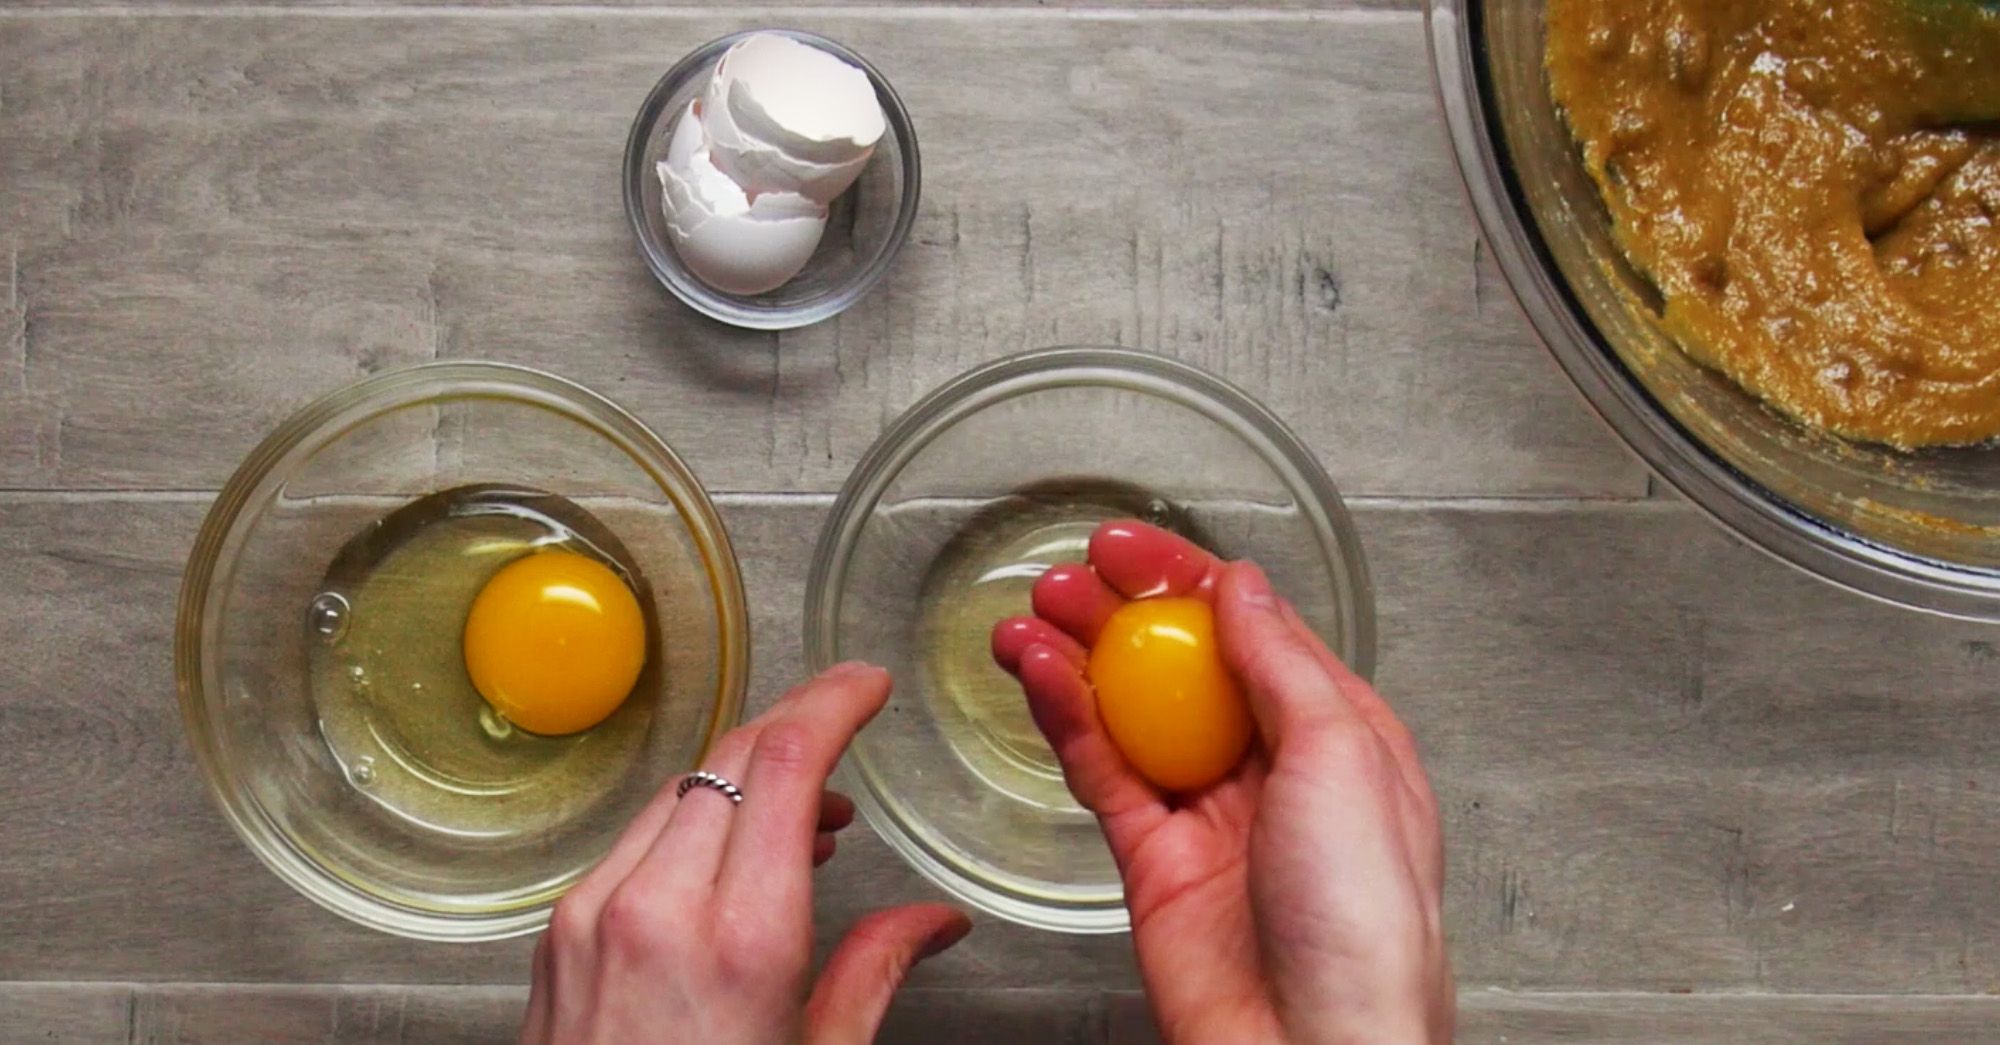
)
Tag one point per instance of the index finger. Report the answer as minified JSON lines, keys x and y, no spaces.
{"x":648,"y":830}
{"x":768,"y":860}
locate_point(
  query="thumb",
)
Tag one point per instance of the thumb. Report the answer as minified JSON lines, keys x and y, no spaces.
{"x":862,"y":975}
{"x":1288,"y":687}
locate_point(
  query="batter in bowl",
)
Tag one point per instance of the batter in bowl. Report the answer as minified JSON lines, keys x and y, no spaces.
{"x":1814,"y":188}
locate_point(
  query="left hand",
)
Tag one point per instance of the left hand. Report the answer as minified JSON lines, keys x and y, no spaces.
{"x":698,"y":925}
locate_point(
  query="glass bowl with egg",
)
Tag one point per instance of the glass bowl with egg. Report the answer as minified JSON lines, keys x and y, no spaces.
{"x":443,"y":633}
{"x":941,"y":532}
{"x":770,"y":178}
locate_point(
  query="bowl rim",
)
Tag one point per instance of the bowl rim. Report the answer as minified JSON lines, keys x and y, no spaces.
{"x":1008,"y":378}
{"x":225,"y":528}
{"x":1753,"y":512}
{"x":734,"y":309}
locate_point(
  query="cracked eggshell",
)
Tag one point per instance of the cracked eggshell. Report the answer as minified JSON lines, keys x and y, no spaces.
{"x":765,"y":168}
{"x":747,"y":254}
{"x":687,"y":136}
{"x":805,"y":101}
{"x":730,"y":242}
{"x":784,"y":115}
{"x":693,"y":190}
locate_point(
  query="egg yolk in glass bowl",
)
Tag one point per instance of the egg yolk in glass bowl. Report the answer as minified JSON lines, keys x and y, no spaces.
{"x":555,"y":642}
{"x":1165,"y":697}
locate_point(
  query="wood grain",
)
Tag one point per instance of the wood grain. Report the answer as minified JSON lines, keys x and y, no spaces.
{"x":72,"y":1013}
{"x":192,"y":1013}
{"x":217,"y":217}
{"x":1679,"y":1019}
{"x":195,"y":1013}
{"x":1158,"y":9}
{"x":1667,"y":764}
{"x":445,"y":1015}
{"x":1631,"y":1019}
{"x":366,"y":1015}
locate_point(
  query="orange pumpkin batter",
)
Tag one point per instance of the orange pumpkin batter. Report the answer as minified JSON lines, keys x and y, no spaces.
{"x":1814,"y":187}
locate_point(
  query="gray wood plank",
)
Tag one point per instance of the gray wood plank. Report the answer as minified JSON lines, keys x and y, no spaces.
{"x":80,"y":1013}
{"x":1666,"y":764}
{"x":1152,"y":8}
{"x":984,"y":1017}
{"x":192,"y":1013}
{"x":1659,"y":1019}
{"x":219,"y":217}
{"x":180,"y":1013}
{"x":1632,"y":1019}
{"x":1720,"y":771}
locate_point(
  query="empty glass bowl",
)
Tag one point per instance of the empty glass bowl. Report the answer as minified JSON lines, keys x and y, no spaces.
{"x":866,"y":226}
{"x":324,"y":784}
{"x":942,"y":530}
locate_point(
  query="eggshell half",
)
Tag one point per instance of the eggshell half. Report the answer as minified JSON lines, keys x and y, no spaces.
{"x":687,"y":136}
{"x":760,"y":166}
{"x":805,"y":101}
{"x":740,"y":254}
{"x":733,"y":243}
{"x":783,"y":115}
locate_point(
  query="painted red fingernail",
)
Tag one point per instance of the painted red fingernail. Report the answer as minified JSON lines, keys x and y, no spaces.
{"x":1063,"y":577}
{"x":1144,"y":561}
{"x":1008,"y":639}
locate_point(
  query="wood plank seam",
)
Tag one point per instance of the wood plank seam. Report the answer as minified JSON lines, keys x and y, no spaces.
{"x":1469,"y":992}
{"x":1328,"y":10}
{"x":778,"y":498}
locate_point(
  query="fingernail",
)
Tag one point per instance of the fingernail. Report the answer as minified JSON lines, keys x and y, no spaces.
{"x":853,"y":667}
{"x":944,"y":938}
{"x":1255,"y":587}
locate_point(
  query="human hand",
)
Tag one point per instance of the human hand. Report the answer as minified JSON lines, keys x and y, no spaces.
{"x":1298,"y":899}
{"x":698,"y":925}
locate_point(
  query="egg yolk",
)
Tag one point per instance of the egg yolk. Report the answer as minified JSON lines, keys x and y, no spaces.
{"x":1165,"y":697}
{"x":555,"y":642}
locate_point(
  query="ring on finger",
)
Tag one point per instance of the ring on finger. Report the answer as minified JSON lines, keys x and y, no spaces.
{"x":704,"y":778}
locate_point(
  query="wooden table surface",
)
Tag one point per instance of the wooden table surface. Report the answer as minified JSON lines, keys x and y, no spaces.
{"x":1689,"y":794}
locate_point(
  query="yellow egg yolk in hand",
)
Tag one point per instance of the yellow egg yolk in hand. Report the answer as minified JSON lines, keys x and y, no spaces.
{"x":555,"y":641}
{"x":1164,"y":695}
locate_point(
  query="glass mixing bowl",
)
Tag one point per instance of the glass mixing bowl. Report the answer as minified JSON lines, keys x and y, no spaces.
{"x":942,"y":530}
{"x":449,"y":862}
{"x":865,"y":227}
{"x":1920,"y":529}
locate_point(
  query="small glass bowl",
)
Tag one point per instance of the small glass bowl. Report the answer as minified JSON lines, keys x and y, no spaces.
{"x":940,"y":533}
{"x":865,"y":228}
{"x":244,"y":643}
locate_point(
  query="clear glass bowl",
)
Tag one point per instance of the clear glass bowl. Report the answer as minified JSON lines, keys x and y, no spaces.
{"x":1919,"y":529}
{"x":866,"y":226}
{"x":246,"y":633}
{"x":941,"y":531}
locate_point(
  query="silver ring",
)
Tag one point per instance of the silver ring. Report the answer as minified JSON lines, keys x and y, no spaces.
{"x":704,"y":778}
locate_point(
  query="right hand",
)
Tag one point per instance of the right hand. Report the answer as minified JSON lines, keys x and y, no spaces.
{"x":1299,"y":899}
